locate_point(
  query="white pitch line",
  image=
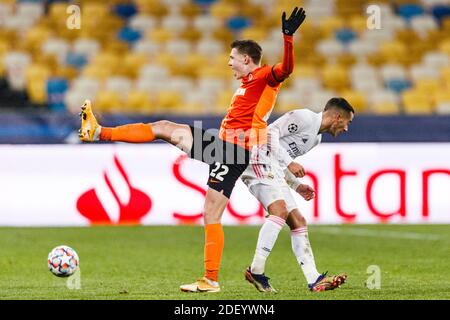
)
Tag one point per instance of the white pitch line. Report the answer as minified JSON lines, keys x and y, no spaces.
{"x":378,"y":234}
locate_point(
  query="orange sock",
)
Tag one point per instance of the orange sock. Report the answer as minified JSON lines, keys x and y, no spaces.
{"x":135,"y":132}
{"x":214,"y":240}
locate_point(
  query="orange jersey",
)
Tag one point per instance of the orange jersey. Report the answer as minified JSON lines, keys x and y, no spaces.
{"x":246,"y":120}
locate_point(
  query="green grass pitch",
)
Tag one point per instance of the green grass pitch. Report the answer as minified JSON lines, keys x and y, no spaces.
{"x":151,"y":262}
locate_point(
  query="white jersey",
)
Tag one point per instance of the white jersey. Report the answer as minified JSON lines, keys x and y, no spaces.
{"x":294,"y":134}
{"x":290,"y":136}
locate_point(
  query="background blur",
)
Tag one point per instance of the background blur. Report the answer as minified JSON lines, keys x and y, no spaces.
{"x":146,"y":59}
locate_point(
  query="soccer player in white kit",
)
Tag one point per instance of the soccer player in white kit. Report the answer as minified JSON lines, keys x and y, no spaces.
{"x":271,"y":174}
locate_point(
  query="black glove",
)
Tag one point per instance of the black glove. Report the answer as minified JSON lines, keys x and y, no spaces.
{"x":295,"y":20}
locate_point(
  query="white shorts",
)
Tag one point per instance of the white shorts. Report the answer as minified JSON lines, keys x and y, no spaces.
{"x":266,"y":183}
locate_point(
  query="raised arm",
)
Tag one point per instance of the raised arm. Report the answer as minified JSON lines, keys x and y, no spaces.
{"x":281,"y":71}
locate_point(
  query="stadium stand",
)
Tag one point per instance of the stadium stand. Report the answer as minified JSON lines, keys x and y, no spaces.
{"x":162,"y":56}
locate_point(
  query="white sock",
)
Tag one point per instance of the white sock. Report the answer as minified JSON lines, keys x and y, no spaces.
{"x":266,"y":240}
{"x":303,"y":252}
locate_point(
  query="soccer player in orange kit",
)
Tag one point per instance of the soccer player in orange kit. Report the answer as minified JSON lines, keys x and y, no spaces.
{"x":228,"y":153}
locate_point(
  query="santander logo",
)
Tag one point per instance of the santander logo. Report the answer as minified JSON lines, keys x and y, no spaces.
{"x":131,"y":208}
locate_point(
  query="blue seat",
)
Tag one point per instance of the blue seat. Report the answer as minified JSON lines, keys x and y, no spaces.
{"x":237,"y":23}
{"x":398,"y":85}
{"x":129,"y":35}
{"x":76,"y":60}
{"x":407,"y":11}
{"x":345,"y":35}
{"x":440,"y":12}
{"x":125,"y":10}
{"x":56,"y":89}
{"x":204,"y":2}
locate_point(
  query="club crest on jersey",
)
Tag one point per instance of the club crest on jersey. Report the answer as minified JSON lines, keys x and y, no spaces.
{"x":292,"y":128}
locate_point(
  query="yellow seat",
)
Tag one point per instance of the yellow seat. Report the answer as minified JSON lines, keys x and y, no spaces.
{"x":107,"y":59}
{"x":159,"y":35}
{"x":415,"y":102}
{"x":223,"y":101}
{"x":358,"y":23}
{"x":385,"y":108}
{"x":444,"y":46}
{"x":108,"y":101}
{"x":356,"y":99}
{"x":254,"y":33}
{"x":35,"y":37}
{"x":305,"y":71}
{"x":393,"y":51}
{"x":152,"y":7}
{"x":222,"y":10}
{"x":131,"y":64}
{"x":427,"y":86}
{"x":335,"y":77}
{"x":330,"y":24}
{"x":167,"y":60}
{"x":168,"y":100}
{"x":139,"y":101}
{"x":441,"y":96}
{"x":190,"y":10}
{"x":190,"y":66}
{"x":96,"y":72}
{"x":445,"y":76}
{"x":36,"y":77}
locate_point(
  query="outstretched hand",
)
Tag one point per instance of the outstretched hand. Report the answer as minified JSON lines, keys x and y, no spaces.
{"x":295,"y":20}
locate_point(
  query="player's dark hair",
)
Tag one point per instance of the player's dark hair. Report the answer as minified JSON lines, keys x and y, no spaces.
{"x":339,"y":103}
{"x":248,"y":47}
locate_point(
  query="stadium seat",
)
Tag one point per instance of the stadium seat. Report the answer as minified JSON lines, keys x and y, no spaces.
{"x":385,"y":108}
{"x":418,"y":72}
{"x":423,"y":24}
{"x":149,"y":48}
{"x":415,"y":102}
{"x":319,"y":99}
{"x":118,"y":84}
{"x":335,"y":77}
{"x":57,"y":47}
{"x":174,"y":23}
{"x":392,"y":71}
{"x":142,"y":22}
{"x":169,"y":100}
{"x":435,"y":59}
{"x":139,"y":102}
{"x":206,"y":23}
{"x":407,"y":11}
{"x":356,"y":99}
{"x":180,"y":84}
{"x":36,"y":83}
{"x":90,"y":86}
{"x":15,"y":63}
{"x":398,"y":85}
{"x":108,"y":101}
{"x":178,"y":47}
{"x":330,"y":49}
{"x":129,"y":35}
{"x":86,"y":47}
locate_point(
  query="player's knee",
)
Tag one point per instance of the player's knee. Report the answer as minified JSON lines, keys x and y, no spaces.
{"x":278,"y":208}
{"x":296,"y":220}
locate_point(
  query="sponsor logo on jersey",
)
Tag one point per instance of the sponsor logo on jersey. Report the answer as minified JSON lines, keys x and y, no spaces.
{"x":240,"y":92}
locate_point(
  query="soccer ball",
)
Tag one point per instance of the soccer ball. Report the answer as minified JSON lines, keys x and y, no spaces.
{"x":63,"y":261}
